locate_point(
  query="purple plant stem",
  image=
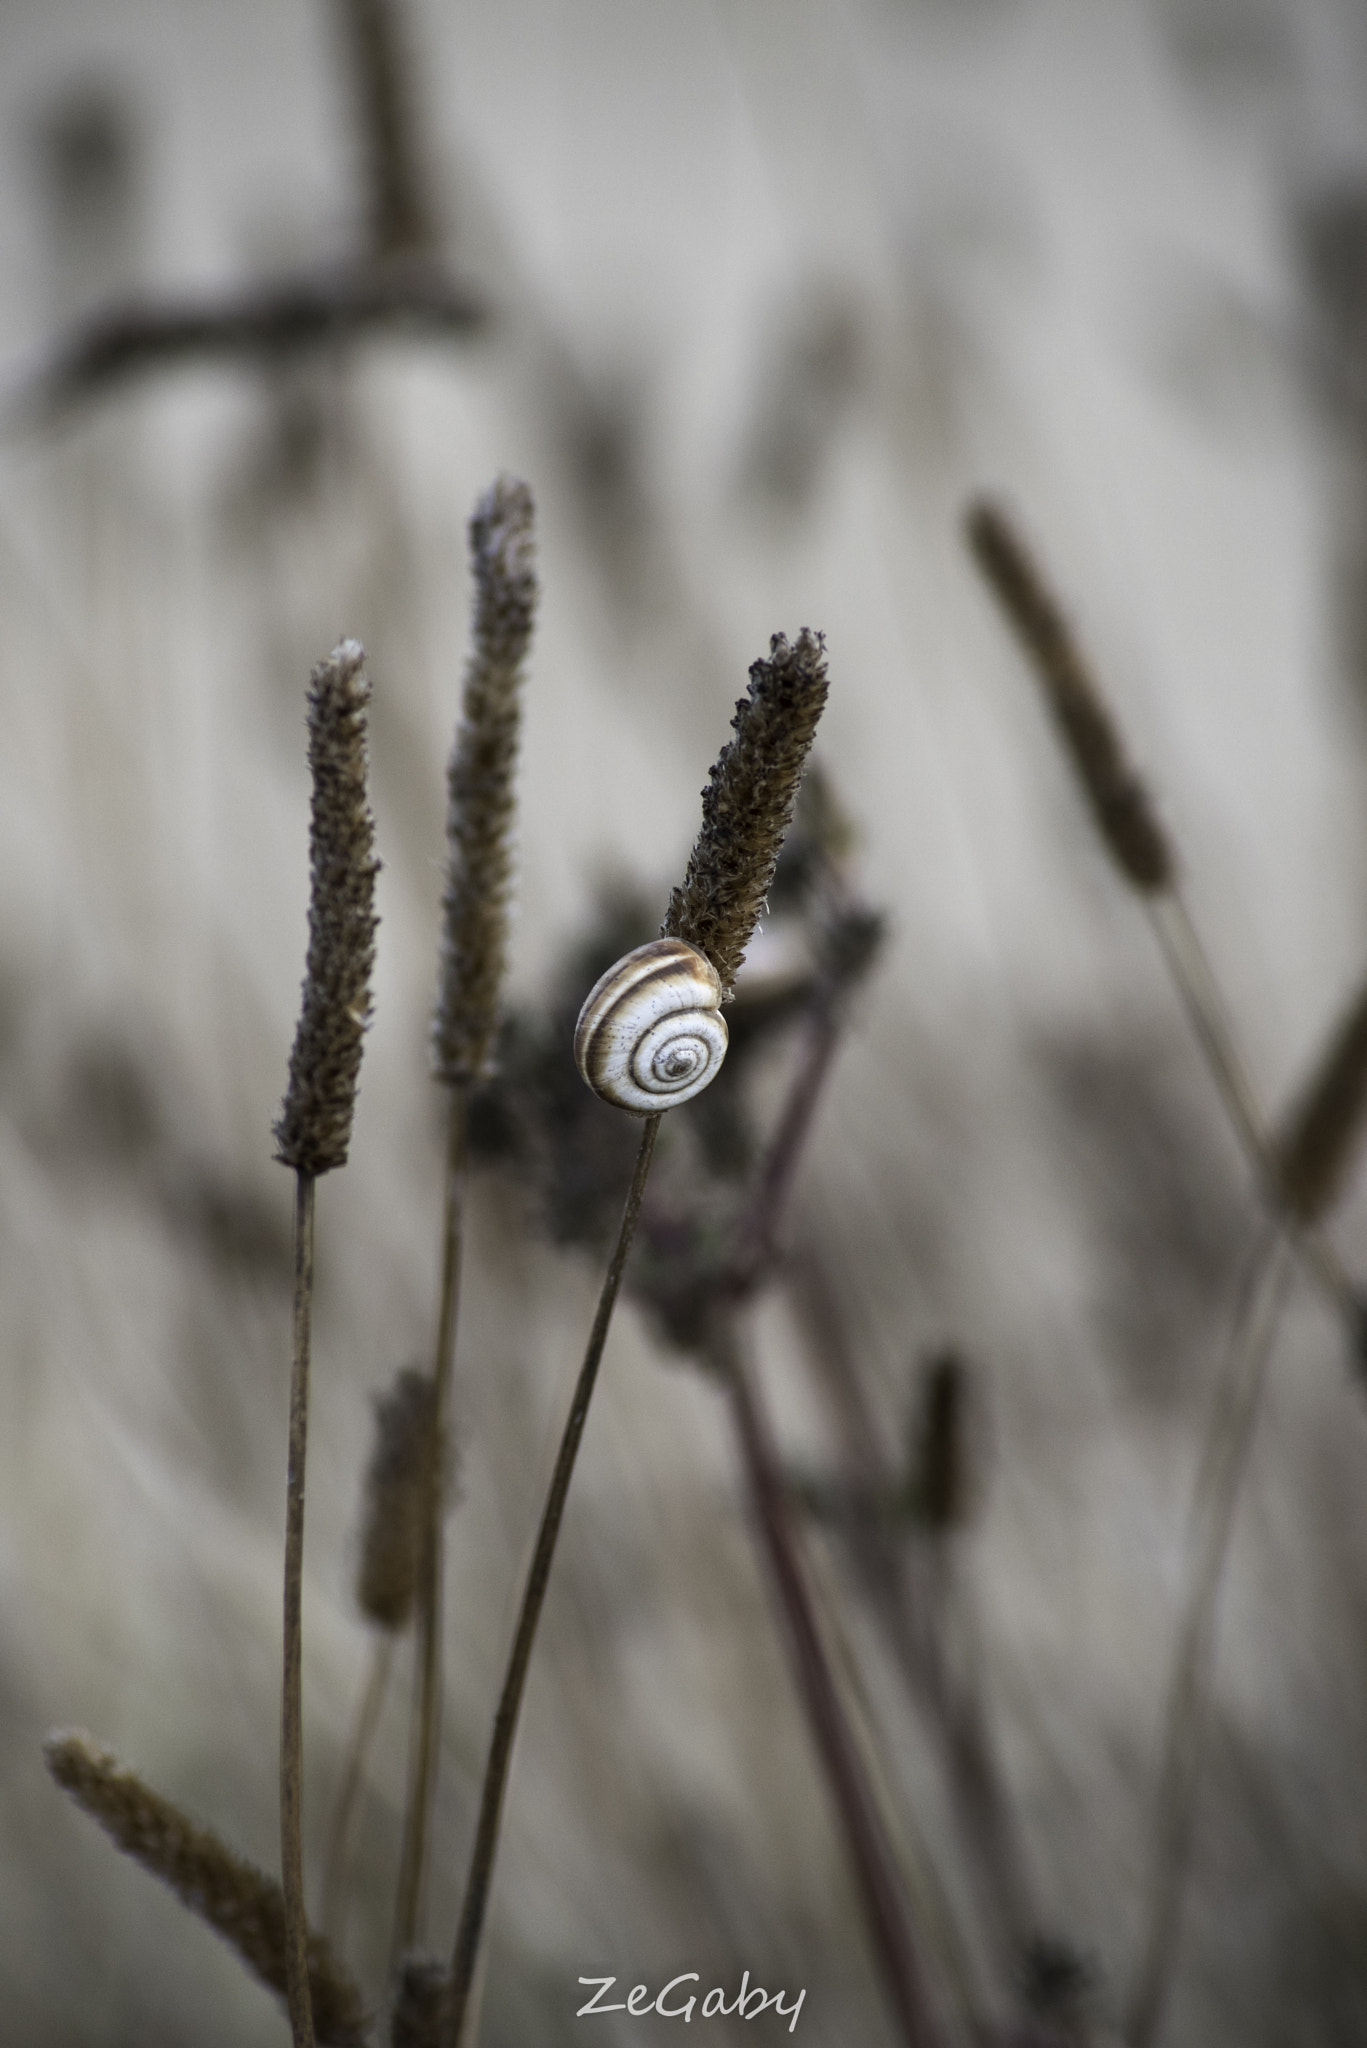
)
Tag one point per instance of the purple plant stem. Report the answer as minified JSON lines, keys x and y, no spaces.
{"x":874,"y":1866}
{"x":754,"y":1250}
{"x":910,"y":1628}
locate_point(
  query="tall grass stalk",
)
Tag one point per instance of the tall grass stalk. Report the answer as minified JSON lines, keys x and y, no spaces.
{"x":332,"y":1911}
{"x":933,"y":1917}
{"x":1142,"y":852}
{"x":291,"y":1691}
{"x":471,"y":964}
{"x":747,"y":807}
{"x":1189,"y":966}
{"x":1224,"y":1458}
{"x":1310,"y":1160}
{"x":313,"y":1133}
{"x":871,"y":1856}
{"x":427,"y":1695}
{"x":477,"y":1883}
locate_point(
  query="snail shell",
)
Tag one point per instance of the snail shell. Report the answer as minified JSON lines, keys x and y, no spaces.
{"x":651,"y":1033}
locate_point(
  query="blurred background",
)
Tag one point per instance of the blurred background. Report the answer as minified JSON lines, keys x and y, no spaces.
{"x":755,"y":296}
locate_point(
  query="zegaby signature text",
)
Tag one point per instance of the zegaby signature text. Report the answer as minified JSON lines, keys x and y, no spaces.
{"x":674,"y":2003}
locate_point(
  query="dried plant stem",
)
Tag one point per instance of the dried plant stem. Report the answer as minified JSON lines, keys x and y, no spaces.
{"x":358,"y":1749}
{"x":754,"y":1248}
{"x":913,"y":1633}
{"x":1223,"y":1462}
{"x":534,"y":1593}
{"x":870,"y":1853}
{"x":291,"y":1717}
{"x":402,"y":217}
{"x":423,"y":1772}
{"x":254,"y":323}
{"x":1191,"y":974}
{"x":932,"y":1912}
{"x":915,"y":1860}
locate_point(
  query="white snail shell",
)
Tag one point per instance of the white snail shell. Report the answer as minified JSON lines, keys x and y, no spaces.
{"x":651,"y":1034}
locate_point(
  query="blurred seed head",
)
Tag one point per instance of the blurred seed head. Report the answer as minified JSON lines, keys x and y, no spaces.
{"x":939,"y":1476}
{"x":1315,"y":1149}
{"x":235,"y":1898}
{"x":420,"y":2001}
{"x":1119,"y":801}
{"x":479,"y":817}
{"x":404,"y":1466}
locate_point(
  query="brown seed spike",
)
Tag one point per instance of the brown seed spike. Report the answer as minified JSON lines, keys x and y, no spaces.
{"x":1119,"y":800}
{"x":235,"y":1898}
{"x":313,"y":1130}
{"x":748,"y":805}
{"x":479,"y":815}
{"x":939,"y":1463}
{"x":421,"y":1999}
{"x":396,"y":1496}
{"x":1315,"y":1149}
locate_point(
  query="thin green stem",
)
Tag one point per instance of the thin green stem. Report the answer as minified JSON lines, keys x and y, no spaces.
{"x":358,"y":1749}
{"x":423,"y":1761}
{"x":1223,"y":1462}
{"x":534,"y":1593}
{"x":291,"y":1716}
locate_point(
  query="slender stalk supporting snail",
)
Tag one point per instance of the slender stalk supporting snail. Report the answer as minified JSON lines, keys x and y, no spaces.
{"x":650,"y":1036}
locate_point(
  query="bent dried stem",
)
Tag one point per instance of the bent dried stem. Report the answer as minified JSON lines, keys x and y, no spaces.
{"x":872,"y":1859}
{"x":480,"y":1874}
{"x":1223,"y":1463}
{"x":261,"y":323}
{"x":1190,"y":970}
{"x":953,"y":1712}
{"x":358,"y":1750}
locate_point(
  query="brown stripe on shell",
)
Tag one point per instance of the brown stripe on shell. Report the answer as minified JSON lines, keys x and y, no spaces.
{"x":627,"y":982}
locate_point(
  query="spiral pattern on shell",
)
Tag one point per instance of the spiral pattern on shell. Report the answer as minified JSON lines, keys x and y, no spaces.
{"x":651,"y":1034}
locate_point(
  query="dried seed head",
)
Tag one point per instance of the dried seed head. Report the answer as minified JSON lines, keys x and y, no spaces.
{"x":235,"y":1898}
{"x":939,"y":1456}
{"x":1120,"y":803}
{"x":1315,"y":1149}
{"x":398,"y":1481}
{"x":479,"y":815}
{"x":314,"y":1126}
{"x":748,"y":805}
{"x":421,"y":2003}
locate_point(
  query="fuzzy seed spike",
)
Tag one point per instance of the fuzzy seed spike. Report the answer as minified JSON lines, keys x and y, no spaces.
{"x":1315,"y":1150}
{"x":313,"y":1130}
{"x":397,"y":1485}
{"x":747,"y":805}
{"x":230,"y":1894}
{"x":1120,"y":803}
{"x":479,"y":817}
